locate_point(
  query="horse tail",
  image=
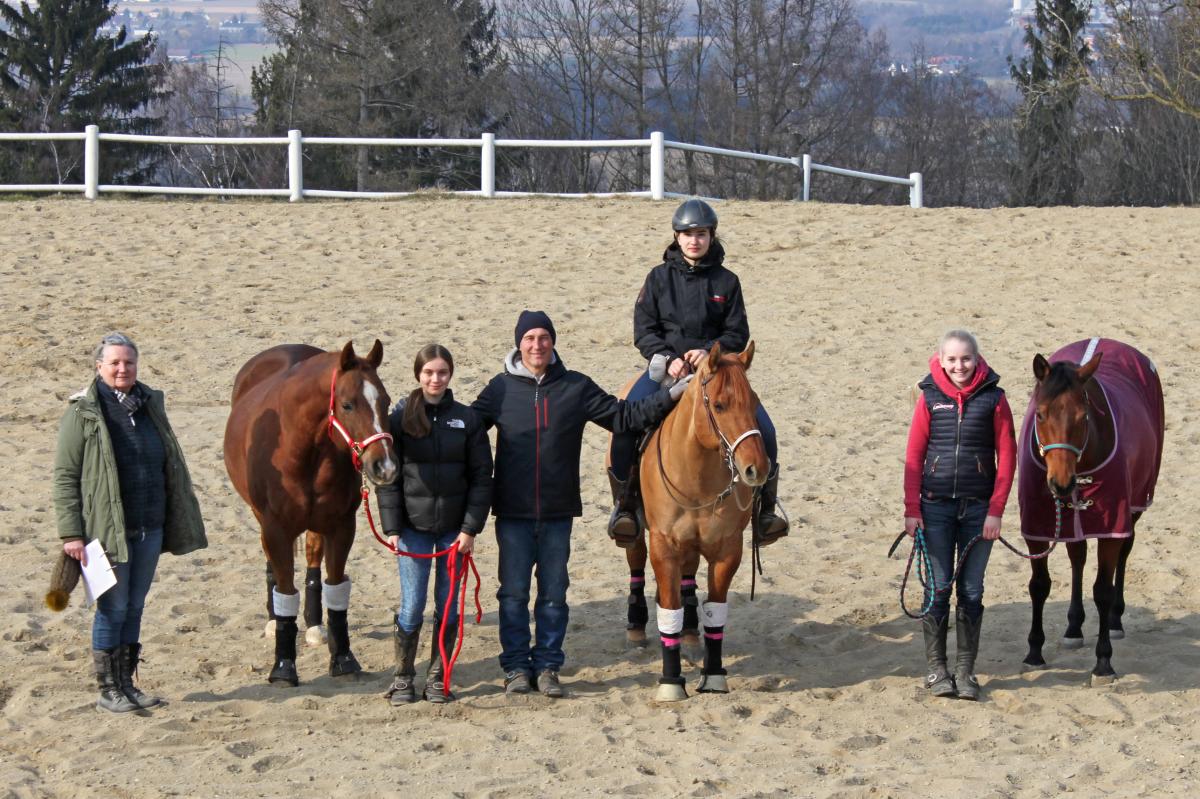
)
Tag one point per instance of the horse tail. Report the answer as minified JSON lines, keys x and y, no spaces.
{"x":63,"y":579}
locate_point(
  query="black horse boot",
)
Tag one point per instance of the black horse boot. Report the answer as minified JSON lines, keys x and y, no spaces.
{"x":130,"y":655}
{"x":767,"y":527}
{"x":624,"y":528}
{"x":964,"y":659}
{"x":108,"y":675}
{"x":403,"y":690}
{"x":938,"y":681}
{"x":435,"y":677}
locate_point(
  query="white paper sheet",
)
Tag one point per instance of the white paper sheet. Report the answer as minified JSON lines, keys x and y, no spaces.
{"x":98,"y":574}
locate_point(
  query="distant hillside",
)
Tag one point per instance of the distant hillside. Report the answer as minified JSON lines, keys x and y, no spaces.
{"x":979,"y":30}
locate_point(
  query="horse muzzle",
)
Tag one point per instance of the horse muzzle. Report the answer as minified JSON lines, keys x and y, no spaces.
{"x":383,"y":470}
{"x":1062,"y":491}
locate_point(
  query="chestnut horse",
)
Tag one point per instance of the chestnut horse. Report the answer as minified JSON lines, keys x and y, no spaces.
{"x":698,"y":475}
{"x":1090,"y":450}
{"x":302,"y":424}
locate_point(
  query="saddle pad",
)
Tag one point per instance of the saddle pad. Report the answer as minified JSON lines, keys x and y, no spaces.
{"x":1109,"y":495}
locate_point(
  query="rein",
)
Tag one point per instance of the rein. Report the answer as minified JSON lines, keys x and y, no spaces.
{"x":920,"y":552}
{"x":356,"y":447}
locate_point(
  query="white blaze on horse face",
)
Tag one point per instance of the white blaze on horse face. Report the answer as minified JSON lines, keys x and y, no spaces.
{"x":371,"y":394}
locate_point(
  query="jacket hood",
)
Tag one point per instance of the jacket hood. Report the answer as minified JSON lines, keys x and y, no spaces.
{"x":983,"y":374}
{"x":715,"y":256}
{"x":514,"y":366}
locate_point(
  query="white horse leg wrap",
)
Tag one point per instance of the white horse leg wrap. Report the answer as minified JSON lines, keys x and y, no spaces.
{"x":287,"y":606}
{"x":336,"y":597}
{"x":714,"y":614}
{"x":670,"y":622}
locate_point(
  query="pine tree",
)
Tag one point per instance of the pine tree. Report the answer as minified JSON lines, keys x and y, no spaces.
{"x":60,"y":71}
{"x":1049,"y":80}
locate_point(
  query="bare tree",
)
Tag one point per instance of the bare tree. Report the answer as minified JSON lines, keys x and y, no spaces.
{"x":1152,"y":53}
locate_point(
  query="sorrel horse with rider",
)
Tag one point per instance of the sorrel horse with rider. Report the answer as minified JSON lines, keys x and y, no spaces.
{"x":303,"y":424}
{"x":698,"y":474}
{"x":1089,"y":455}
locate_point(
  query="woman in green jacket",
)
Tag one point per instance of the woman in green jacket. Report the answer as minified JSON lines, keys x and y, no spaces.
{"x":120,"y":479}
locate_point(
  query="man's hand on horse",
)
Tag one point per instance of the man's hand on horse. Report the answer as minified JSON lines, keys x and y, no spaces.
{"x":911,"y":523}
{"x":991,"y":528}
{"x":466,"y":543}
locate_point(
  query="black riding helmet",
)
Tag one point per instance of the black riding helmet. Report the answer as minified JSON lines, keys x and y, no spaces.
{"x":694,"y":214}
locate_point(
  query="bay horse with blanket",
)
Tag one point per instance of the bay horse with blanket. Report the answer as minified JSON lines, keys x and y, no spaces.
{"x":698,"y":475}
{"x":302,"y":425}
{"x":1090,"y":450}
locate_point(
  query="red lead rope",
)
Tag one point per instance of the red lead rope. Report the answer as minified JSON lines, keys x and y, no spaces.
{"x":457,"y":573}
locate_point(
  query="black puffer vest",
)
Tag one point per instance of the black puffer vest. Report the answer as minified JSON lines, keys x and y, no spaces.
{"x":960,"y":459}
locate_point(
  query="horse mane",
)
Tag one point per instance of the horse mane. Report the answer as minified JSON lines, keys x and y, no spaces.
{"x":731,"y":391}
{"x":1061,"y":378}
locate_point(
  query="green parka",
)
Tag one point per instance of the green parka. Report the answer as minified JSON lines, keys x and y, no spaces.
{"x":87,"y":492}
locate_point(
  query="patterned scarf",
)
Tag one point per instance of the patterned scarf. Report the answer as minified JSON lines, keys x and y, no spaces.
{"x":131,"y":401}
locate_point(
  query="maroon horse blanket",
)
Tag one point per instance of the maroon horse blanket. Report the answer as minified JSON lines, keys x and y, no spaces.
{"x":1124,"y":483}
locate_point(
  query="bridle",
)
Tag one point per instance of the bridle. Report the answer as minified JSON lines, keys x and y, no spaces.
{"x":1074,"y":450}
{"x":356,"y":447}
{"x":728,"y":449}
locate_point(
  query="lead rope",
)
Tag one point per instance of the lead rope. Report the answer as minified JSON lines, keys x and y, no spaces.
{"x":457,"y":575}
{"x":925,"y":563}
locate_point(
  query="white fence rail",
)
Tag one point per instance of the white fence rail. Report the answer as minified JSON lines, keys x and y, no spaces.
{"x":487,"y":144}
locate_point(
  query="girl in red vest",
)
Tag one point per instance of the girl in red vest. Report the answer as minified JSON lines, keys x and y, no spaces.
{"x":958,"y":470}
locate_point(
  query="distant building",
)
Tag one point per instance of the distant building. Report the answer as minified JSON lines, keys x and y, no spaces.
{"x":1022,"y":16}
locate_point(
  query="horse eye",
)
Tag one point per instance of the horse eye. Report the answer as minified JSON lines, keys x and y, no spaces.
{"x":347,"y":406}
{"x":1041,"y":417}
{"x":719,"y":407}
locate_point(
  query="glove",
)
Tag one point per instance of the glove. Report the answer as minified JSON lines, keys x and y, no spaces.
{"x":676,"y":391}
{"x":658,"y":366}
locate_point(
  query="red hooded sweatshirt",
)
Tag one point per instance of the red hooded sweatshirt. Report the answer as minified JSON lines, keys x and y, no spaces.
{"x":918,"y":440}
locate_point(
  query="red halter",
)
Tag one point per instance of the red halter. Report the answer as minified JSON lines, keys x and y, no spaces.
{"x":356,"y":447}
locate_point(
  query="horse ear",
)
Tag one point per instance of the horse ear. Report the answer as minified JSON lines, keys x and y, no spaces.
{"x":375,"y":356}
{"x":1088,"y":369}
{"x":348,"y":360}
{"x":747,"y":355}
{"x":1041,"y":367}
{"x":714,"y":356}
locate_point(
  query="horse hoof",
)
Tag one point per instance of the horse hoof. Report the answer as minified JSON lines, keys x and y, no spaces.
{"x":1071,"y":643}
{"x":636,"y":637}
{"x":1102,"y":679}
{"x":1116,"y":634}
{"x":670,"y":692}
{"x":284,"y":673}
{"x":343,"y":665}
{"x":713,"y":684}
{"x":690,"y":637}
{"x":315,"y":635}
{"x":269,"y":630}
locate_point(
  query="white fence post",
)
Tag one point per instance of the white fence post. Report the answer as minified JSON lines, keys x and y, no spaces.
{"x":91,"y":161}
{"x":295,"y":166}
{"x":658,"y":158}
{"x":487,"y":166}
{"x":916,"y":197}
{"x":807,"y":176}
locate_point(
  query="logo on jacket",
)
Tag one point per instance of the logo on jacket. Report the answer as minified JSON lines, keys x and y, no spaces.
{"x":717,"y":298}
{"x":457,"y":424}
{"x":944,"y":406}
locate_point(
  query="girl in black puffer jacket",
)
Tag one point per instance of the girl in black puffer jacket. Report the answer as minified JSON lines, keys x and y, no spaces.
{"x":441,"y":500}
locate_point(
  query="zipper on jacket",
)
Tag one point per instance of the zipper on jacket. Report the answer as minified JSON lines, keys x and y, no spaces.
{"x":957,"y":445}
{"x":537,"y":453}
{"x":437,"y":473}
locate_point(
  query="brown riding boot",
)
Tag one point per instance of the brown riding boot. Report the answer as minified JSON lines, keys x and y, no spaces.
{"x":624,"y":527}
{"x":403,"y":690}
{"x":766,"y":526}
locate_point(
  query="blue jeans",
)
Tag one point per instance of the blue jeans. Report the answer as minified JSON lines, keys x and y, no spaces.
{"x":950,"y":525}
{"x":119,"y":609}
{"x":414,"y":578}
{"x":525,"y":544}
{"x":624,"y":445}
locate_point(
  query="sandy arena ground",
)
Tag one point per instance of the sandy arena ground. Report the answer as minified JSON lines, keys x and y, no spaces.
{"x":845,"y":305}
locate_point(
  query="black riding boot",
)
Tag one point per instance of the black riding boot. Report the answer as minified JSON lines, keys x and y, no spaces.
{"x":624,"y":527}
{"x":402,"y":690}
{"x":938,"y":680}
{"x":767,"y":527}
{"x":130,"y":655}
{"x":108,"y":676}
{"x":435,"y":677}
{"x":964,"y":658}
